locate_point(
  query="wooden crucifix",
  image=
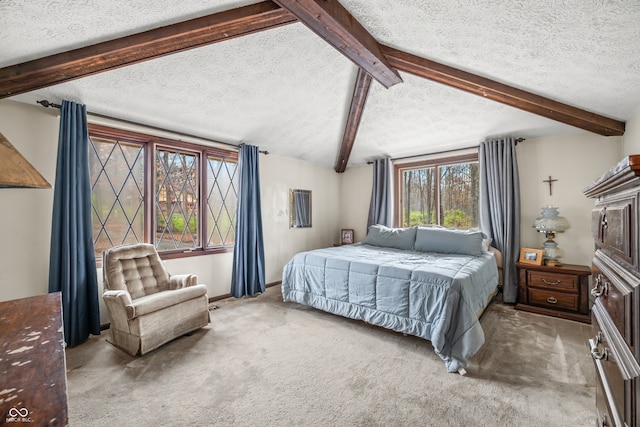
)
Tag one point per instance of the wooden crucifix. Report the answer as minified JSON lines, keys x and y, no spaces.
{"x":550,"y":181}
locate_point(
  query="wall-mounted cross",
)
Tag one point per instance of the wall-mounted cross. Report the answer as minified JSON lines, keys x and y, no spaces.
{"x":550,"y":181}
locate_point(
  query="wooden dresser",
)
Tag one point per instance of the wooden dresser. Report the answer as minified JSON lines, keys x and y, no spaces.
{"x":616,"y":309}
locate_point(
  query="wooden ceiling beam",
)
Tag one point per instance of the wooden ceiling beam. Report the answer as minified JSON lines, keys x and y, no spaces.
{"x":360,"y":93}
{"x":503,"y":93}
{"x":333,"y":23}
{"x":112,"y":54}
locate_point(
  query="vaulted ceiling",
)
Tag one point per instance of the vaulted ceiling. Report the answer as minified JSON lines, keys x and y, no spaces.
{"x":336,"y":83}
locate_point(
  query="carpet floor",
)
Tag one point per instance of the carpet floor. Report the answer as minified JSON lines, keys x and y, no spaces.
{"x":263,"y":362}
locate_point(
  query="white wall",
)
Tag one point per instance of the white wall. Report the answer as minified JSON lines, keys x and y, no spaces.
{"x":631,"y":137}
{"x":355,"y":196}
{"x":25,"y":214}
{"x":575,"y":161}
{"x":278,"y":175}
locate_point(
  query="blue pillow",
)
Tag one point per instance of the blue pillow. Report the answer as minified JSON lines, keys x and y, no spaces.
{"x":399,"y":238}
{"x":449,"y":241}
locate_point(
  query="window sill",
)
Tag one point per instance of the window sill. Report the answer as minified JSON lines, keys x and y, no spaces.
{"x":194,"y":252}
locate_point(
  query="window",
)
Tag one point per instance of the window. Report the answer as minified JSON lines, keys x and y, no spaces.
{"x":181,"y":197}
{"x":442,"y":192}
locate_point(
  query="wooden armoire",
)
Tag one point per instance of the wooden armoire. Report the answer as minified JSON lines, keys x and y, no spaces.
{"x":615,"y":316}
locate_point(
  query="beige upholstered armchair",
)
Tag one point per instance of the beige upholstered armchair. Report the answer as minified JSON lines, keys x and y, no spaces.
{"x":147,"y":306}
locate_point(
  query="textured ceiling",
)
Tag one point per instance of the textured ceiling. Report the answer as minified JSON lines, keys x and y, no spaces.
{"x":289,"y":92}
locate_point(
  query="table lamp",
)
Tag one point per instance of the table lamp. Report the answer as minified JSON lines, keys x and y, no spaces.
{"x":550,"y":223}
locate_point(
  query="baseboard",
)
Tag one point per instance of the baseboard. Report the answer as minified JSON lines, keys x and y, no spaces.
{"x":225,"y":296}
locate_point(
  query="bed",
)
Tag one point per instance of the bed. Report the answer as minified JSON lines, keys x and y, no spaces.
{"x":428,"y":282}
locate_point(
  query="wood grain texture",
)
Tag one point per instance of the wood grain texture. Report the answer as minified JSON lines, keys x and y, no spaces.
{"x":333,"y":23}
{"x":15,"y":170}
{"x":360,"y":93}
{"x":503,"y":93}
{"x":112,"y":54}
{"x":32,"y":362}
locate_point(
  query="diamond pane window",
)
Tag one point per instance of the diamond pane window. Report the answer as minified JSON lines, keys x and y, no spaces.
{"x":222,"y":198}
{"x":179,"y":196}
{"x":443,"y":192}
{"x":177,"y":200}
{"x":117,"y":199}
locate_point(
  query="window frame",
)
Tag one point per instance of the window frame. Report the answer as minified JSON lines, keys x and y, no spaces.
{"x":435,"y":162}
{"x":150,"y":144}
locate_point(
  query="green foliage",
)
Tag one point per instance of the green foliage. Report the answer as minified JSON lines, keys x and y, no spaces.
{"x":178,"y":223}
{"x":418,"y":218}
{"x":455,"y":218}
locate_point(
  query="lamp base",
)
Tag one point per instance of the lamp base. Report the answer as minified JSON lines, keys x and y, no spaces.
{"x":553,"y":263}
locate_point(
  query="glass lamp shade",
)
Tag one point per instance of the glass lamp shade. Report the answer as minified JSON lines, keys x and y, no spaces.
{"x":549,"y":222}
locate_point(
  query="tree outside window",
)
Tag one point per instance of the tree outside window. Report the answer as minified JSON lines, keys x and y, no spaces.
{"x":438,"y":192}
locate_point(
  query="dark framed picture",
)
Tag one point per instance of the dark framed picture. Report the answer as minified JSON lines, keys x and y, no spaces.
{"x":346,"y":236}
{"x":531,"y":256}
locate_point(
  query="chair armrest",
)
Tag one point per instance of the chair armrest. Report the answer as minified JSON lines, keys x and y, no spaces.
{"x":182,"y":281}
{"x":120,"y":308}
{"x":122,"y":297}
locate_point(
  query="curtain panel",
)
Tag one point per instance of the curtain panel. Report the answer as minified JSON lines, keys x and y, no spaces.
{"x":72,"y":265}
{"x":302,"y":205}
{"x":381,"y":206}
{"x":500,"y":206}
{"x":248,"y":276}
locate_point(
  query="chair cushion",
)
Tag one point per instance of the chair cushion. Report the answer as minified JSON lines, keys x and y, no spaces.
{"x":159,"y":300}
{"x":137,"y":269}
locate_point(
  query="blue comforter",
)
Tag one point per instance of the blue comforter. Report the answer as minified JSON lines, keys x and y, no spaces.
{"x":433,"y":296}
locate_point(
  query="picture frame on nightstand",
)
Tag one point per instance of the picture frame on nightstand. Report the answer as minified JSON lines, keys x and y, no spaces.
{"x":346,"y":236}
{"x":531,"y":256}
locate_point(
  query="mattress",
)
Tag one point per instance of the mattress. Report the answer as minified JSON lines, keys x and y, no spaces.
{"x":429,"y":295}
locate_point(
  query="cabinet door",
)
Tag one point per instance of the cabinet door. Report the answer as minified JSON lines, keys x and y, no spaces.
{"x":597,"y":229}
{"x":617,"y":230}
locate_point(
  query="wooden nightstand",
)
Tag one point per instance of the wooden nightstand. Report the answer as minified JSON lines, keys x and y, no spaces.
{"x":555,"y":291}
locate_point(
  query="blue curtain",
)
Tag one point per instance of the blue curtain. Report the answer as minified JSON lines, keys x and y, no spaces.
{"x":72,"y":265}
{"x":500,"y":207}
{"x":248,"y":277}
{"x":381,"y":206}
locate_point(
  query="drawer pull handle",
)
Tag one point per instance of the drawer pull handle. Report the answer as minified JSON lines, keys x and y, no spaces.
{"x":555,"y":282}
{"x":600,"y":287}
{"x":597,"y":291}
{"x":599,"y":337}
{"x":552,"y":300}
{"x":600,"y":356}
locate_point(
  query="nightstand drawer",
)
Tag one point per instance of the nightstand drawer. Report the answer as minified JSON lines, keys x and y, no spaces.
{"x":541,"y":279}
{"x":554,"y":300}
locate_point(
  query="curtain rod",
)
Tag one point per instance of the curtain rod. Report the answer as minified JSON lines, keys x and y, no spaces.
{"x":439,"y":152}
{"x":47,"y":104}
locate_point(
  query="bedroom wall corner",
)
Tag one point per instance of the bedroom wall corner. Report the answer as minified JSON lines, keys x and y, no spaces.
{"x":574,"y":160}
{"x":355,"y":196}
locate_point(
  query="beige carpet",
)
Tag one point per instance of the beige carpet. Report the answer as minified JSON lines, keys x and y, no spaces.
{"x":263,"y":362}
